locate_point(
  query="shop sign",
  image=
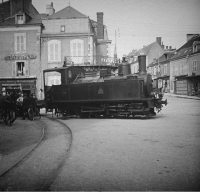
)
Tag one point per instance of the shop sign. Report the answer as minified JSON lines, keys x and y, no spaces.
{"x":19,"y":81}
{"x":21,"y":57}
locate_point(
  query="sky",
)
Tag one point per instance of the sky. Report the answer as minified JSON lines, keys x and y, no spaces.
{"x":138,"y":22}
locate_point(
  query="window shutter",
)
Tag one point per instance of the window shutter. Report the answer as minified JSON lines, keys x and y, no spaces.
{"x":18,"y":44}
{"x":26,"y":69}
{"x":79,"y":49}
{"x":74,"y":49}
{"x":51,"y":52}
{"x":59,"y":51}
{"x":56,"y":52}
{"x":24,"y":43}
{"x":13,"y":69}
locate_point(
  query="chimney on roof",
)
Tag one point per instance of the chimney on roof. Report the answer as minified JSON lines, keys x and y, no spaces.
{"x":49,"y":9}
{"x":100,"y":29}
{"x":158,"y":40}
{"x":190,"y":36}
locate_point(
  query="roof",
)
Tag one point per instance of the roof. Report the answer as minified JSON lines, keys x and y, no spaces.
{"x":162,"y":59}
{"x":67,"y":13}
{"x":145,"y":50}
{"x":35,"y":17}
{"x":186,"y":49}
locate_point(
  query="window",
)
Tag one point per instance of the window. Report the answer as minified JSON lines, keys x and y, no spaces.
{"x":77,"y":51}
{"x":194,"y":65}
{"x":165,"y":69}
{"x":20,"y":42}
{"x":54,"y":53}
{"x":20,"y":19}
{"x":20,"y":69}
{"x":54,"y":80}
{"x":62,"y":28}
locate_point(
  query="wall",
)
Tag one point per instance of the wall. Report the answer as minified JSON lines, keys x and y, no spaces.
{"x":7,"y":48}
{"x":74,"y":26}
{"x":155,"y":52}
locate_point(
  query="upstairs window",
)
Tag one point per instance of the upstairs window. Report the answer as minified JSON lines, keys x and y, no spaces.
{"x":20,"y":42}
{"x":62,"y":28}
{"x":194,"y":65}
{"x":196,"y":46}
{"x":54,"y":51}
{"x":20,"y":19}
{"x":20,"y":69}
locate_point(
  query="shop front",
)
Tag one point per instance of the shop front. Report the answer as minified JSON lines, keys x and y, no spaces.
{"x":24,"y":85}
{"x":194,"y":85}
{"x":181,"y":85}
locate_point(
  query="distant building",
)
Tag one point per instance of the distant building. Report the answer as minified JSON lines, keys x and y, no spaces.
{"x":160,"y":69}
{"x":185,"y":67}
{"x":152,"y":51}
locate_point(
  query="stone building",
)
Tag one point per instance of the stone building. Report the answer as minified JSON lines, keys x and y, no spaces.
{"x":20,"y":30}
{"x":31,"y":42}
{"x":185,"y":67}
{"x":72,"y":38}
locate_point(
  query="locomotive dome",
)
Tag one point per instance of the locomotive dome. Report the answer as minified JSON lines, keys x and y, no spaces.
{"x":124,"y":68}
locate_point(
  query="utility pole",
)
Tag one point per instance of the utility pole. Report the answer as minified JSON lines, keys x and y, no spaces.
{"x":115,"y":51}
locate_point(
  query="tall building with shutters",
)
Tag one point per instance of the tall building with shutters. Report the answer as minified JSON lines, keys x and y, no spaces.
{"x":20,"y":31}
{"x":31,"y":42}
{"x":72,"y":38}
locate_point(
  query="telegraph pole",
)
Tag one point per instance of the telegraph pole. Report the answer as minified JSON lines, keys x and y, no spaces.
{"x":115,"y":51}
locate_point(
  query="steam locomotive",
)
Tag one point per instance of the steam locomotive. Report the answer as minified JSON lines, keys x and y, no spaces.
{"x":103,"y":94}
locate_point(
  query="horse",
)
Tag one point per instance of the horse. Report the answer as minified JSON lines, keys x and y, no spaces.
{"x":8,"y":109}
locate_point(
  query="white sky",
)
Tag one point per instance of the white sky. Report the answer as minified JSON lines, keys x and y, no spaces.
{"x":138,"y":22}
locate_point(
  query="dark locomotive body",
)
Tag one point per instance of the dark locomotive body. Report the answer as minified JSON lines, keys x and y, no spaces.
{"x":103,"y":94}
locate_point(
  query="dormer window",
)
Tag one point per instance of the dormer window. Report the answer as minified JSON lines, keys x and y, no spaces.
{"x":20,"y":19}
{"x":196,"y":46}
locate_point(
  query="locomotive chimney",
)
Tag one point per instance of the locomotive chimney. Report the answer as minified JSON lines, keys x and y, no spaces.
{"x":142,"y":64}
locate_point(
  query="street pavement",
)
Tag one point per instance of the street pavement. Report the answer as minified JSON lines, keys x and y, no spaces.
{"x":19,"y":128}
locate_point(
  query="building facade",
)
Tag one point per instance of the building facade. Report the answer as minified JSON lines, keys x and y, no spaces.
{"x":152,"y":51}
{"x":160,"y":70}
{"x":20,"y":66}
{"x":72,"y":38}
{"x":184,"y":66}
{"x":31,"y":42}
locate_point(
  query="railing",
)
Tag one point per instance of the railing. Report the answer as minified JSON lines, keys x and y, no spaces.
{"x":89,"y":60}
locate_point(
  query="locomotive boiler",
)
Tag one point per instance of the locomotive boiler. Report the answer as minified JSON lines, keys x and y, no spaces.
{"x":103,"y":94}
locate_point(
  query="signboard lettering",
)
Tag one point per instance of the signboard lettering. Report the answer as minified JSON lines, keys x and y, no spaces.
{"x":21,"y":57}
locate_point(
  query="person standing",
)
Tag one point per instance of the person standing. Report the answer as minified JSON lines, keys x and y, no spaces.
{"x":25,"y":106}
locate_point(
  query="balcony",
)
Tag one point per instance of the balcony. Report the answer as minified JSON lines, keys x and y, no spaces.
{"x":89,"y":60}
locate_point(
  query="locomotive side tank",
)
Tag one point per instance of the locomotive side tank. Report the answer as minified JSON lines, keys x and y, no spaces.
{"x":103,"y":94}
